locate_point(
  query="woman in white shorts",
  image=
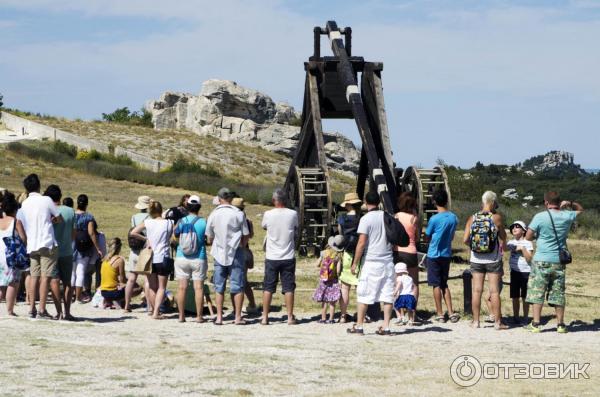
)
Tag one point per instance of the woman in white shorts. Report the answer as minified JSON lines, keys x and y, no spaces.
{"x":86,"y":247}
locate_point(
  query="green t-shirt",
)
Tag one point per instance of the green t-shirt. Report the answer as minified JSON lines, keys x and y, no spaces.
{"x":63,"y":232}
{"x":547,"y":247}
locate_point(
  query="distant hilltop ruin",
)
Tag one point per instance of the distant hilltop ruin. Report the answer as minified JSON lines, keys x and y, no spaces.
{"x":230,"y":112}
{"x":553,"y":162}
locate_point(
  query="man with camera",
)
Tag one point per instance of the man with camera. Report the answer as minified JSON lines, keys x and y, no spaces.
{"x":551,"y":228}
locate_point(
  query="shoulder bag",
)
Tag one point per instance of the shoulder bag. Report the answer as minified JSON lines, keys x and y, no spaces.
{"x":564,"y":256}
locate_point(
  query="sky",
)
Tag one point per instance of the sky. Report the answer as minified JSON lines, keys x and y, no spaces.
{"x":464,"y":81}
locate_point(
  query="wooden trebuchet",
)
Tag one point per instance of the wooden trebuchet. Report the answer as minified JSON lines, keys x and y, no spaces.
{"x":331,"y":91}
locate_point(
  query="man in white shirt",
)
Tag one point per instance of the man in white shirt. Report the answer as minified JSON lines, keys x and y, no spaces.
{"x":37,"y":214}
{"x":281,"y":224}
{"x":227,"y":231}
{"x":377,"y":278}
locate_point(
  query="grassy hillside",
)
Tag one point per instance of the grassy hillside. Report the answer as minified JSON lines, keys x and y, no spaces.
{"x":236,"y":161}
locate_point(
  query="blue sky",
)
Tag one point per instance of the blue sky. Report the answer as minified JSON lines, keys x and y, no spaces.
{"x":496,"y":81}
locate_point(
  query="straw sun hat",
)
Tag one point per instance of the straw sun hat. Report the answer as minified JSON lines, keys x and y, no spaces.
{"x":351,"y":198}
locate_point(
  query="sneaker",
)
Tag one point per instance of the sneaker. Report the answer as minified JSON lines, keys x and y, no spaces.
{"x":561,"y":329}
{"x":536,"y":329}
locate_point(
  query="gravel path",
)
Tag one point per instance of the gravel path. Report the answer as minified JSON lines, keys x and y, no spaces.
{"x":110,"y":353}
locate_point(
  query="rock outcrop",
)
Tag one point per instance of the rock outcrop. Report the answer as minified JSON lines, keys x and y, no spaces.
{"x":556,"y":162}
{"x":230,"y":112}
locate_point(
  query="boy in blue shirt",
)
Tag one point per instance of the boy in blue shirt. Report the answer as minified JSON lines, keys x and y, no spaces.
{"x":440,"y":232}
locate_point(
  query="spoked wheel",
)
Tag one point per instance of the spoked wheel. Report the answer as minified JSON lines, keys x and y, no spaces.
{"x":422,"y":183}
{"x":311,"y":197}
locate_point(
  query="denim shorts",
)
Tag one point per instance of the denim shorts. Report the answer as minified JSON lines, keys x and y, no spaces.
{"x":437,"y":272}
{"x":235,"y":273}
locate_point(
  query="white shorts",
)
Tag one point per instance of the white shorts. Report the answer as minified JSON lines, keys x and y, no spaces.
{"x":376,"y":283}
{"x":132,"y":262}
{"x":195,"y":269}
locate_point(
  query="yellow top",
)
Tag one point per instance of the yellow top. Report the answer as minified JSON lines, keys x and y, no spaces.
{"x":109,"y":276}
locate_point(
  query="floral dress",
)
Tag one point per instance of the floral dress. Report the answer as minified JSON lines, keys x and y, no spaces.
{"x":328,"y":289}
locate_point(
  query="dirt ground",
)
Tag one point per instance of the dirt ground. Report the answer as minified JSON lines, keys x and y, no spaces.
{"x":110,"y":353}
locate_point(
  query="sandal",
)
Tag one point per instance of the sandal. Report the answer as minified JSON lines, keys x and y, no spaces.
{"x":454,"y":317}
{"x":241,"y":322}
{"x":440,"y":319}
{"x":383,"y":332}
{"x":69,"y":318}
{"x":322,"y":321}
{"x":500,"y":327}
{"x":263,"y":322}
{"x":489,"y":318}
{"x":355,"y":330}
{"x":329,"y":322}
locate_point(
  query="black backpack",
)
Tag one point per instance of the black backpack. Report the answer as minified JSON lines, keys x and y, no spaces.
{"x":83,"y":241}
{"x":349,"y":231}
{"x":395,"y":232}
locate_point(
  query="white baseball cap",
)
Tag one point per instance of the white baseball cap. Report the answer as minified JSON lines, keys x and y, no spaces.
{"x":194,"y":199}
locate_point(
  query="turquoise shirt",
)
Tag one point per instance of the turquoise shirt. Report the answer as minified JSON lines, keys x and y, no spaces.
{"x":183,"y":226}
{"x":440,"y":229}
{"x":63,"y":232}
{"x":547,"y":246}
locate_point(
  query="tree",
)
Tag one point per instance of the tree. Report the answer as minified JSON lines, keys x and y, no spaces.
{"x":125,"y":116}
{"x":121,"y":115}
{"x":479,"y":166}
{"x":1,"y":103}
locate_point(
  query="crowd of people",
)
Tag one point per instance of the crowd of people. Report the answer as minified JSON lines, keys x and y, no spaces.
{"x":47,"y":247}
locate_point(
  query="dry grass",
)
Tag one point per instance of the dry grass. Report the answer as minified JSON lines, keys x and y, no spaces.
{"x":116,"y":355}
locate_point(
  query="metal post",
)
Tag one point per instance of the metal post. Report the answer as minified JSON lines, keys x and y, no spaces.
{"x":467,"y":281}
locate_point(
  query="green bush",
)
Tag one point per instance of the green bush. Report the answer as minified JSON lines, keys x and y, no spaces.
{"x":125,"y":116}
{"x":181,"y":164}
{"x":65,"y":148}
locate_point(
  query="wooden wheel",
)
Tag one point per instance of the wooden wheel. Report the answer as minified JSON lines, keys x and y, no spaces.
{"x":422,"y":183}
{"x":311,"y":198}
